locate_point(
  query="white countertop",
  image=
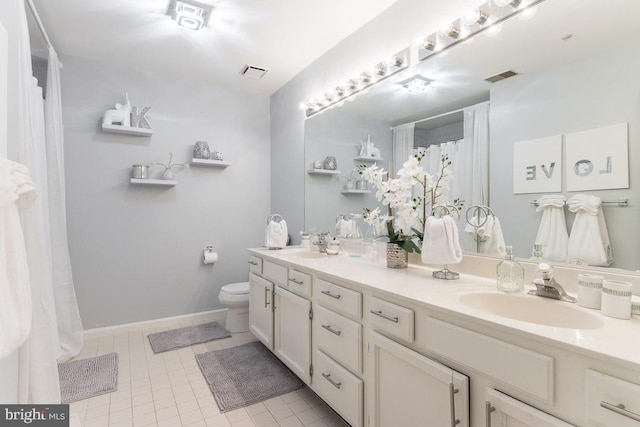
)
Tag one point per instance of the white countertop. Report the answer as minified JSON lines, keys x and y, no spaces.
{"x":616,"y":341}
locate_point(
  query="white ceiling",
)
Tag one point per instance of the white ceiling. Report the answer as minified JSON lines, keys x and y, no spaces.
{"x":283,"y":36}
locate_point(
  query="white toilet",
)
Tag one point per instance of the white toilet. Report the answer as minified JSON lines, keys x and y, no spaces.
{"x":235,"y":297}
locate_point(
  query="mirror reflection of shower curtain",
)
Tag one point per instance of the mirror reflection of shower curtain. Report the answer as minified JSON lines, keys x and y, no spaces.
{"x":402,"y":146}
{"x":469,"y":162}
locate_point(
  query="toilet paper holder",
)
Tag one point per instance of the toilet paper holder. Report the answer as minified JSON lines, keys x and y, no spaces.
{"x":208,"y":250}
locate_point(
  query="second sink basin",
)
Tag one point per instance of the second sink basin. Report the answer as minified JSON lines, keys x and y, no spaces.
{"x":533,"y":309}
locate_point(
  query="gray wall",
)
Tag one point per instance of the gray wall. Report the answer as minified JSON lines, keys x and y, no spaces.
{"x":600,"y":91}
{"x":136,"y":250}
{"x":393,"y":30}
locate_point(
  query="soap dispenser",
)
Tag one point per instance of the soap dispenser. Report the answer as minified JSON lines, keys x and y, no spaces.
{"x":510,"y":274}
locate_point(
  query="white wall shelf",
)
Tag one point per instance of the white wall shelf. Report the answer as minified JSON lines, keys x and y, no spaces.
{"x":211,"y":163}
{"x":369,"y":159}
{"x":356,"y":191}
{"x":126,"y":130}
{"x":323,"y":172}
{"x":158,"y":182}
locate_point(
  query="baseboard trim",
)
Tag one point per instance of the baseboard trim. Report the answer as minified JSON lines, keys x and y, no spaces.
{"x":126,"y":327}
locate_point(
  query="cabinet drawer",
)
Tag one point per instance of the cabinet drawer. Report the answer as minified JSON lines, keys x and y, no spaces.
{"x":339,"y":388}
{"x":338,"y":298}
{"x":299,"y":283}
{"x":339,"y":337}
{"x":391,"y":319}
{"x":605,"y":394}
{"x":255,"y":264}
{"x":522,"y":369}
{"x":503,"y":410}
{"x":275,"y":272}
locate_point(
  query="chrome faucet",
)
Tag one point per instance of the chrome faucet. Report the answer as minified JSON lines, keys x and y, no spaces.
{"x":546,"y":286}
{"x":322,"y":240}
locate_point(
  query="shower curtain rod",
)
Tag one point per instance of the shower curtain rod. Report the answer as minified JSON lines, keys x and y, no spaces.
{"x":439,"y":115}
{"x":34,"y":12}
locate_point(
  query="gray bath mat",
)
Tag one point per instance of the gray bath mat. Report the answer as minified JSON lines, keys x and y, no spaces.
{"x":85,"y":378}
{"x":184,"y":337}
{"x":245,"y":375}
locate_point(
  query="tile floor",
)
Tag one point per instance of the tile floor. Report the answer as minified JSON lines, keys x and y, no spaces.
{"x":168,"y":389}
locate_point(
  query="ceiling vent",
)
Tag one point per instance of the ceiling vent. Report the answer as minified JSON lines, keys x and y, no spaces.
{"x":501,"y":76}
{"x":253,"y":71}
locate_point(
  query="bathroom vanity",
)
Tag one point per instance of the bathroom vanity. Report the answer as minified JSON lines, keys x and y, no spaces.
{"x":387,"y":347}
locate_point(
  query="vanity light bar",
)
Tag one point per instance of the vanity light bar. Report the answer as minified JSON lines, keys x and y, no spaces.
{"x":381,"y":71}
{"x":482,"y":18}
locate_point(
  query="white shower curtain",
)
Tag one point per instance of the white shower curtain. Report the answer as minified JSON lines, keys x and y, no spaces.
{"x":402,"y":146}
{"x":469,"y":162}
{"x":44,"y":223}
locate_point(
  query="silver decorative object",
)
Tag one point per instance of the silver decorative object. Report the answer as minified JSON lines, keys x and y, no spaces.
{"x":201,"y":150}
{"x":330,"y":163}
{"x":396,"y":256}
{"x":139,"y":118}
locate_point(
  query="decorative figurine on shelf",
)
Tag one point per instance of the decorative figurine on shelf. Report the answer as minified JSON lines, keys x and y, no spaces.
{"x":168,"y":173}
{"x":139,"y":118}
{"x":217,"y":155}
{"x":121,"y":114}
{"x":201,"y":150}
{"x":368,"y":150}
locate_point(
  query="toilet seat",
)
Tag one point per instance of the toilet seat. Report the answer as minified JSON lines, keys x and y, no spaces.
{"x":240,"y":288}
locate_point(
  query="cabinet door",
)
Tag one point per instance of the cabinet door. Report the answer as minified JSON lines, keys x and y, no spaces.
{"x":292,"y":341}
{"x":261,"y":309}
{"x":505,"y":411}
{"x":409,"y":389}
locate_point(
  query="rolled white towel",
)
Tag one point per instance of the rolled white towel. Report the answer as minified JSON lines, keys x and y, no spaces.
{"x":441,"y":244}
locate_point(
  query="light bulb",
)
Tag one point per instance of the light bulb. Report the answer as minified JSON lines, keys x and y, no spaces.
{"x":475,"y":16}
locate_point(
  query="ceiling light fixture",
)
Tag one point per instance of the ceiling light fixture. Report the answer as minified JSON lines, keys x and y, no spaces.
{"x":381,"y":71}
{"x":488,"y":15}
{"x":190,"y":14}
{"x":416,"y":84}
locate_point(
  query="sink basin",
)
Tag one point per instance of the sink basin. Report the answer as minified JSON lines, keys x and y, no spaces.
{"x":533,"y":309}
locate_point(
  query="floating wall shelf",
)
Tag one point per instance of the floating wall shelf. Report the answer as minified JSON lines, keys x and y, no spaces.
{"x":126,"y":130}
{"x":212,"y":163}
{"x":158,"y":182}
{"x":369,"y":159}
{"x":356,"y":191}
{"x":323,"y":172}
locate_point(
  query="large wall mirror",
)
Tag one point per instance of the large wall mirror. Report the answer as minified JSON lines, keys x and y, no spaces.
{"x":577,"y":65}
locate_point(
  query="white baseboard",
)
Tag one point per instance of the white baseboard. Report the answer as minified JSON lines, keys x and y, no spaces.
{"x":117,"y":329}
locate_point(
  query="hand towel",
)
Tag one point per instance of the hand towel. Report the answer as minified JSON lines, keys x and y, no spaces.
{"x":16,"y":192}
{"x":552,"y":232}
{"x":486,"y":238}
{"x":276,"y":234}
{"x":441,"y":244}
{"x":589,"y":239}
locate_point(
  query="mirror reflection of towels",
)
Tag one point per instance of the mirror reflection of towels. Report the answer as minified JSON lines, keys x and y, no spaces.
{"x":589,"y":239}
{"x":441,"y":244}
{"x":552,"y":232}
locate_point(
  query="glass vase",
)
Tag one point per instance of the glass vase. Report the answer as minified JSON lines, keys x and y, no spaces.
{"x":396,"y":256}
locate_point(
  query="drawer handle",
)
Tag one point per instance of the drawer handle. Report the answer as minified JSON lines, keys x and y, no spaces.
{"x":452,"y":402}
{"x":329,"y":294}
{"x":333,"y":383}
{"x":488,"y":409}
{"x":385,"y":316}
{"x":297,"y":282}
{"x":253,"y":263}
{"x":330,"y":329}
{"x":619,"y":409}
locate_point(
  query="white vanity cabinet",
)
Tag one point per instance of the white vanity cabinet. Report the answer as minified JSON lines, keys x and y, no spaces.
{"x":292,"y":340}
{"x":504,"y":411}
{"x":261,"y":309}
{"x":407,"y":389}
{"x":337,"y":356}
